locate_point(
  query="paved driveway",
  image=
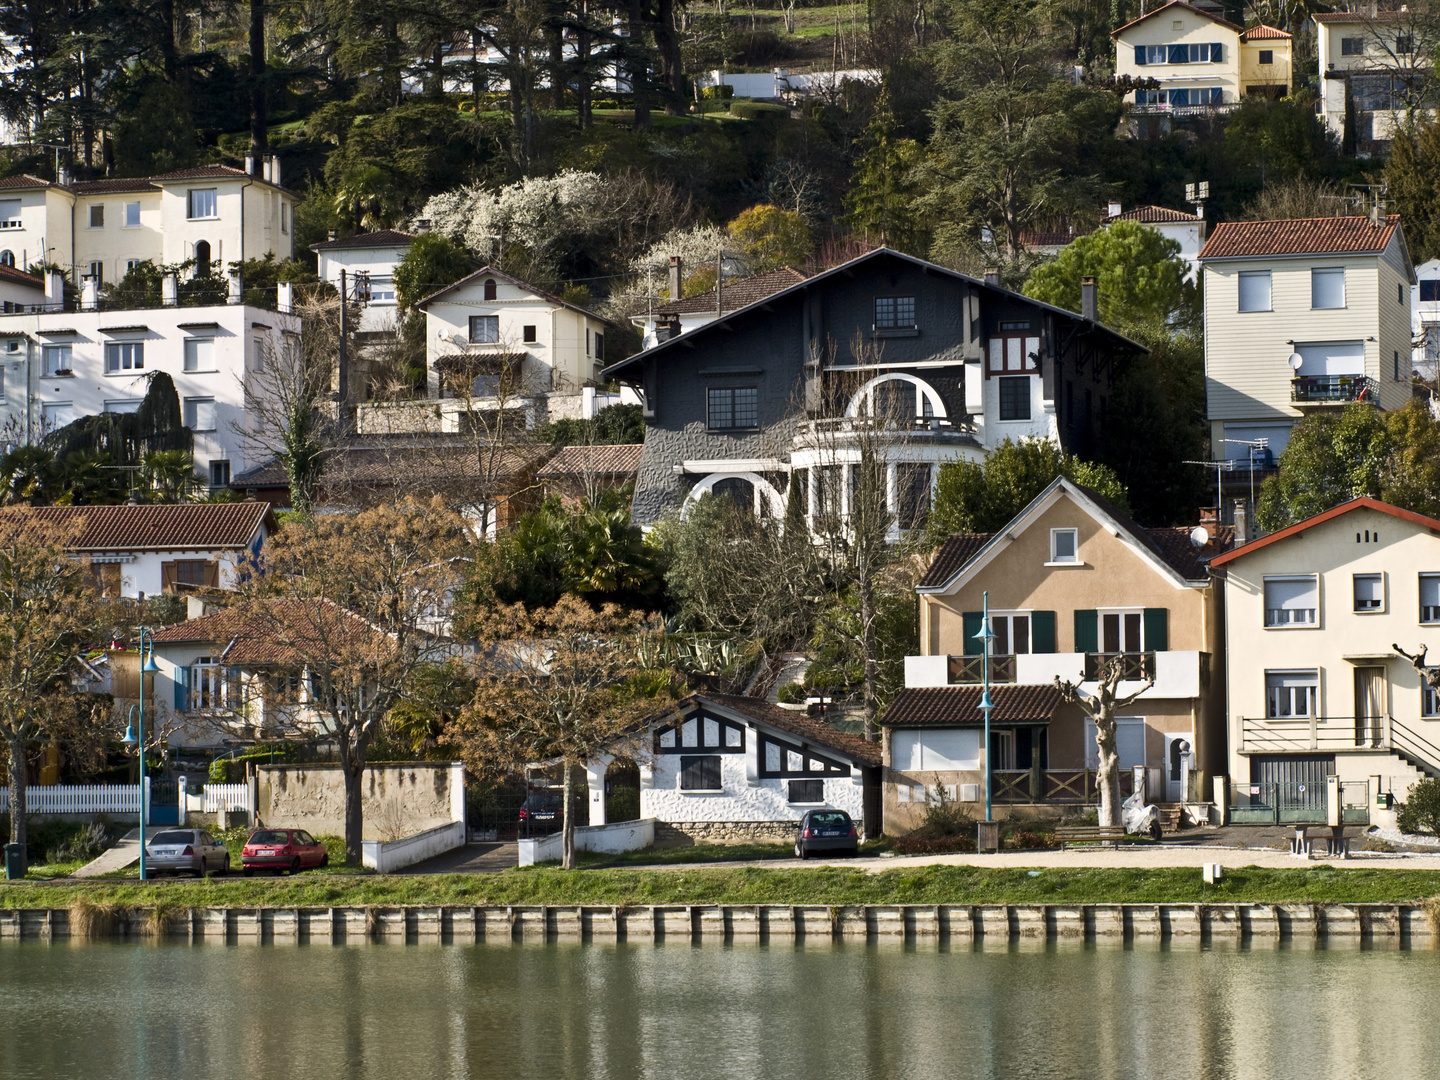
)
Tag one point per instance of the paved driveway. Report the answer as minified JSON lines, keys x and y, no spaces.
{"x":479,"y":858}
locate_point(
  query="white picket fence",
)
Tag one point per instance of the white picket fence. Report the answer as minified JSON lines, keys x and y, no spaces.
{"x":79,"y":799}
{"x":223,"y":797}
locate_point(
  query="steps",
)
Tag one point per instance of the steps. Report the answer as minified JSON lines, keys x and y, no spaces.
{"x":1170,"y":814}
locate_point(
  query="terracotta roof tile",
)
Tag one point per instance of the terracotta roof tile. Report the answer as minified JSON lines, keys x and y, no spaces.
{"x":1189,"y":561}
{"x":23,"y":180}
{"x":1356,"y":16}
{"x":113,"y":187}
{"x":1299,"y":236}
{"x":954,"y":706}
{"x":1180,"y":4}
{"x":1264,"y":33}
{"x":378,"y":238}
{"x":184,"y":526}
{"x":953,"y":554}
{"x":734,"y":295}
{"x":271,"y":635}
{"x":1153,"y":215}
{"x":621,"y":460}
{"x":798,"y":724}
{"x":204,"y":172}
{"x":19,"y":277}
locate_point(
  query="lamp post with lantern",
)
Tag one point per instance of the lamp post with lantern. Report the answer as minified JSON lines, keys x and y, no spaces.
{"x":135,"y":720}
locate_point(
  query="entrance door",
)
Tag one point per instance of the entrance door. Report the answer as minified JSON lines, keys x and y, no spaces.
{"x":164,"y":802}
{"x":622,"y":791}
{"x":1002,"y":749}
{"x":1369,"y":706}
{"x":1179,"y":760}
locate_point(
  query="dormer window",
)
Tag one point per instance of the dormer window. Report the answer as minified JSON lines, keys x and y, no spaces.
{"x":1064,"y":545}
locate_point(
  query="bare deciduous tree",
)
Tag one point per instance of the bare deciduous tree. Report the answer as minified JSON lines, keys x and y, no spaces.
{"x":1101,"y":707}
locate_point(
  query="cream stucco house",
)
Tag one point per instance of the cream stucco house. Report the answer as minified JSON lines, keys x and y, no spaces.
{"x":1301,"y":315}
{"x":1202,"y":61}
{"x":1369,"y":61}
{"x":98,"y":229}
{"x":1316,"y":686}
{"x":368,"y":260}
{"x":1072,"y":582}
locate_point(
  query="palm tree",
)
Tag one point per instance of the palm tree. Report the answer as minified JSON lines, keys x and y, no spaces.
{"x":168,"y":476}
{"x":28,"y":474}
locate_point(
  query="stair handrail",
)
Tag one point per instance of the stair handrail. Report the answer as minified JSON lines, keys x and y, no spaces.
{"x":1420,"y":747}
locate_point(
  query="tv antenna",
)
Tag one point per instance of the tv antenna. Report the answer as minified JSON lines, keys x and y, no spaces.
{"x":1196,"y":194}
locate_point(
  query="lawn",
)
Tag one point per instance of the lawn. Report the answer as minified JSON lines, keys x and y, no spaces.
{"x":751,"y":885}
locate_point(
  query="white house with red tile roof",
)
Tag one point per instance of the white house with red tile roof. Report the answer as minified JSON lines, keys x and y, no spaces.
{"x":1202,"y":61}
{"x":369,"y":260}
{"x":1366,"y":59}
{"x":1186,"y":229}
{"x":1301,"y":315}
{"x":1316,"y":685}
{"x":139,"y":551}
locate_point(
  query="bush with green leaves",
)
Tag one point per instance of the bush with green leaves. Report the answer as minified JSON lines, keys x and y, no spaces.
{"x":1420,"y":812}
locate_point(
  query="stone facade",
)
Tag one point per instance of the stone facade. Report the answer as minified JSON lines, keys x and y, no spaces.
{"x":689,"y":833}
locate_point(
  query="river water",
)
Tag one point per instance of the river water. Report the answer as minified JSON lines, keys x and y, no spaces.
{"x":854,"y":1012}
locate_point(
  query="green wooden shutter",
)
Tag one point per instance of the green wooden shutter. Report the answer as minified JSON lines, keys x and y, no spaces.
{"x":1087,"y":631}
{"x":182,"y":689}
{"x":1157,"y":629}
{"x":972,"y":621}
{"x":1042,"y":631}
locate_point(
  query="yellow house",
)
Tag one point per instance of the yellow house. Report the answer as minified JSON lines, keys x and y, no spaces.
{"x":1316,"y":685}
{"x":1201,"y":60}
{"x":1301,"y":315}
{"x":1072,"y":582}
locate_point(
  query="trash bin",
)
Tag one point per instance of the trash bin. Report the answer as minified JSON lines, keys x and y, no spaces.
{"x":14,"y":861}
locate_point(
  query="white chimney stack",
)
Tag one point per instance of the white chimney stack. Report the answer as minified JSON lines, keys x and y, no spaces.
{"x":275,"y":171}
{"x":1115,"y":208}
{"x":249,"y":164}
{"x":169,"y":290}
{"x":89,"y":294}
{"x":54,"y":289}
{"x":237,"y":287}
{"x":285,"y":296}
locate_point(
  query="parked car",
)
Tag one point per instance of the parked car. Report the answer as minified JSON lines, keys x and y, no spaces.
{"x":186,"y":851}
{"x":282,"y":850}
{"x":540,"y":813}
{"x":826,"y":830}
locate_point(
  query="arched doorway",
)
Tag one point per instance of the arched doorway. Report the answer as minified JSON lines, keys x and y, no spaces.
{"x":622,"y":791}
{"x":202,"y":258}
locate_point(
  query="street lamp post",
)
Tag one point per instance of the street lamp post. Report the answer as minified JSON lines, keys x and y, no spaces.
{"x":986,"y":705}
{"x":132,"y":738}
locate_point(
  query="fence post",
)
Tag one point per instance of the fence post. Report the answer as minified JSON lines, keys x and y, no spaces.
{"x":1314,"y":731}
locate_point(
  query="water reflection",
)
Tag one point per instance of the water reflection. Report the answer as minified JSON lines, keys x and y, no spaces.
{"x":391,"y":1011}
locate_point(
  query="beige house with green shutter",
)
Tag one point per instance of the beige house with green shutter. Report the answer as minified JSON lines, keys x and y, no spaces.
{"x":1072,"y":582}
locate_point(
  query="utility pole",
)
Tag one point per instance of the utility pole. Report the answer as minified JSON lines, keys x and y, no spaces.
{"x":343,"y":397}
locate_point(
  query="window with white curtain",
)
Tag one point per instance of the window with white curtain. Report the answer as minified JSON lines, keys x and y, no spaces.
{"x":1292,"y":601}
{"x":1291,"y":693}
{"x":1255,"y":290}
{"x":1327,"y":287}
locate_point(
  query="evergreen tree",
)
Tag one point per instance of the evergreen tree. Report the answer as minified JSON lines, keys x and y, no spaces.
{"x":883,"y":188}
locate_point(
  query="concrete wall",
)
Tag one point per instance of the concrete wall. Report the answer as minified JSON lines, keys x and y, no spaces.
{"x":387,"y":856}
{"x":397,"y":800}
{"x":613,"y":839}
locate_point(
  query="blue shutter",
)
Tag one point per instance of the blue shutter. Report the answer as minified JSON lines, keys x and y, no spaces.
{"x":1179,"y":54}
{"x":1217,"y":53}
{"x":1042,"y":631}
{"x":182,"y":689}
{"x":1140,"y":55}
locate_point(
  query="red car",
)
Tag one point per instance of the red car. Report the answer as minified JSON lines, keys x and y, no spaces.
{"x":282,"y":850}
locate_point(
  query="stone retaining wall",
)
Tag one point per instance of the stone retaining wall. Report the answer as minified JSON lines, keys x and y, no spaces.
{"x":670,"y":834}
{"x":1255,"y":925}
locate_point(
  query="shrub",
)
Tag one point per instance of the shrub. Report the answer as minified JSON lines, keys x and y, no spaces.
{"x":717,"y":93}
{"x":945,"y":818}
{"x":1420,"y":813}
{"x":791,"y":694}
{"x":915,"y":844}
{"x":754,"y":110}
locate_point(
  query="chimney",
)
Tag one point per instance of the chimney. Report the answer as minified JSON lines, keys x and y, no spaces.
{"x":422,"y":225}
{"x":330,"y":235}
{"x":275,"y":170}
{"x":169,"y":290}
{"x":1114,"y":208}
{"x":1242,"y":522}
{"x":63,"y":177}
{"x":1089,"y":299}
{"x":237,"y":288}
{"x":89,"y":293}
{"x":54,"y":289}
{"x":1210,"y":516}
{"x":249,"y":164}
{"x":675,"y":275}
{"x":285,"y":297}
{"x":992,"y":276}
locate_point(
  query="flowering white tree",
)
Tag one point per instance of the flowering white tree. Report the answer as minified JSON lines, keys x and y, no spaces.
{"x":536,"y":212}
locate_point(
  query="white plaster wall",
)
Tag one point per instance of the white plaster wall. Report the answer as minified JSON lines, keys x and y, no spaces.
{"x":379,"y":263}
{"x":113,"y":244}
{"x":143,"y":576}
{"x":384,"y":856}
{"x":742,"y":799}
{"x":44,"y":233}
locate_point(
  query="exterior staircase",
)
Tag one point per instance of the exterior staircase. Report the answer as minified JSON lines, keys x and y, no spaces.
{"x":1170,"y":814}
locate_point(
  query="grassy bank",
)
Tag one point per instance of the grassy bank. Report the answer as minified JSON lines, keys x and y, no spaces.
{"x":753,"y":885}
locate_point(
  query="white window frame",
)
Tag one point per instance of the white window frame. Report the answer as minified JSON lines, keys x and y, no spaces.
{"x":124,"y":357}
{"x":1429,"y":701}
{"x":191,"y":413}
{"x":1380,"y":606}
{"x":1313,"y":624}
{"x":1129,"y":723}
{"x":126,"y":405}
{"x":1119,"y":613}
{"x":1326,"y":273}
{"x":9,"y":223}
{"x":49,"y":407}
{"x":1429,"y":613}
{"x":94,"y":209}
{"x":1055,"y":559}
{"x":1254,"y":275}
{"x":1008,"y":618}
{"x":220,"y":461}
{"x":212,"y":197}
{"x":192,"y":360}
{"x":1278,"y":697}
{"x":284,"y":219}
{"x":56,"y":351}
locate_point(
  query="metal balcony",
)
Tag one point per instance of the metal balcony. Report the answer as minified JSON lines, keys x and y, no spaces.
{"x":1333,"y":389}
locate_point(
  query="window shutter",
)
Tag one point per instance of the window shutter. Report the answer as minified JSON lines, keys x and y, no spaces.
{"x":1217,"y":53}
{"x":1140,"y":54}
{"x":1042,"y":631}
{"x":971,"y":621}
{"x":182,"y":688}
{"x":167,"y":577}
{"x":1087,"y":631}
{"x":212,"y":575}
{"x":1157,"y":629}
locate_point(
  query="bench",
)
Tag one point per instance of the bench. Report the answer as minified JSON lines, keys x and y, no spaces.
{"x":1336,"y":843}
{"x":1089,"y":834}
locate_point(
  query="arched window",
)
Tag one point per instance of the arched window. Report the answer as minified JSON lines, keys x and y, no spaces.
{"x":202,"y":258}
{"x":489,"y":288}
{"x":749,"y":490}
{"x":896,"y":397}
{"x":7,"y":257}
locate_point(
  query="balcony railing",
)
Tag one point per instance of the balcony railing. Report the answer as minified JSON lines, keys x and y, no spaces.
{"x":1333,"y":389}
{"x":971,"y":669}
{"x":1334,"y":734}
{"x":1039,"y":785}
{"x":1133,"y":665}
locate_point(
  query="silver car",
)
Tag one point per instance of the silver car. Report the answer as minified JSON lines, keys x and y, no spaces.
{"x":194,"y":851}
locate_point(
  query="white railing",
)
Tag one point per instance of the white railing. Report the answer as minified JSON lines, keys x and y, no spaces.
{"x":220,"y":798}
{"x":79,"y":799}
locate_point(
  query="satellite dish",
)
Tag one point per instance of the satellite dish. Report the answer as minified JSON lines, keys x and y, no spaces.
{"x":1295,"y":361}
{"x":1199,"y":536}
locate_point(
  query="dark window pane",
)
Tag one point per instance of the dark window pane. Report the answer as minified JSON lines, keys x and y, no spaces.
{"x":722,"y":408}
{"x":747,"y":407}
{"x":904,"y":311}
{"x":484,"y":329}
{"x":807,"y":791}
{"x":700,"y":773}
{"x":527,"y":333}
{"x":1015,"y":398}
{"x":1430,"y":291}
{"x":912,"y":484}
{"x":884,"y":312}
{"x":742,"y":492}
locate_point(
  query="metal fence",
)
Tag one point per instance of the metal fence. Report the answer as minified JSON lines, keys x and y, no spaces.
{"x":1297,"y":803}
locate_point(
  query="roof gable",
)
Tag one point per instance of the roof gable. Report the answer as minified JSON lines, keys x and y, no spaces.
{"x":1179,"y":4}
{"x":1363,"y":503}
{"x":795,"y":725}
{"x":949,"y":573}
{"x":525,"y":286}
